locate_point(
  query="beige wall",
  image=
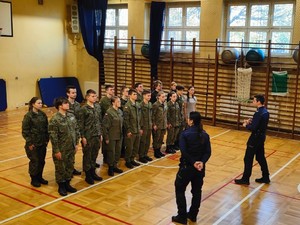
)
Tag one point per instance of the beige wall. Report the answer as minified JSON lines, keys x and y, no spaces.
{"x":39,"y":48}
{"x":42,"y":45}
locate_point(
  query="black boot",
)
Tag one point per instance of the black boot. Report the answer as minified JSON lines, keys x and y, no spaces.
{"x":265,"y":180}
{"x":242,"y":181}
{"x":94,"y":175}
{"x":69,"y":188}
{"x":157,"y":153}
{"x":117,"y":170}
{"x":62,"y":189}
{"x":169,"y":149}
{"x":179,"y":219}
{"x":35,"y":181}
{"x":88,"y":177}
{"x":110,"y":171}
{"x":161,"y":154}
{"x":41,"y":179}
{"x":76,"y":172}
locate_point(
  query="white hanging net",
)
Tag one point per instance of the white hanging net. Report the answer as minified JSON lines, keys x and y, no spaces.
{"x":243,"y":84}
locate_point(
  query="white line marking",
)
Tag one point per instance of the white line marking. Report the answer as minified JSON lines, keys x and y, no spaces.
{"x":89,"y":187}
{"x":253,"y":192}
{"x":18,"y":157}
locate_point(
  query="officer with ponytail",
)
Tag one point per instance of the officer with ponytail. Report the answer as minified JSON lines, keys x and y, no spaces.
{"x":195,"y":150}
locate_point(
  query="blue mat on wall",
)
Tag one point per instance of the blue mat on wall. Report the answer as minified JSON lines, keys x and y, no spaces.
{"x":51,"y":88}
{"x":3,"y":99}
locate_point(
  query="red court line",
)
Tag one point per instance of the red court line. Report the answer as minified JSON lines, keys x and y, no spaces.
{"x":224,"y":185}
{"x":46,"y":211}
{"x":282,"y":195}
{"x":69,"y":202}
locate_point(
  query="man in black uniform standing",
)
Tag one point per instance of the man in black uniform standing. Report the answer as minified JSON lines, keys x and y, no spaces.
{"x":256,"y":143}
{"x":195,"y":151}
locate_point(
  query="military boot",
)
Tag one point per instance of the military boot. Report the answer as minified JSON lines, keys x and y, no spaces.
{"x":169,"y":149}
{"x":69,"y":188}
{"x":41,"y":179}
{"x":157,"y":153}
{"x":35,"y":181}
{"x":94,"y":175}
{"x":62,"y":189}
{"x":110,"y":171}
{"x":88,"y":177}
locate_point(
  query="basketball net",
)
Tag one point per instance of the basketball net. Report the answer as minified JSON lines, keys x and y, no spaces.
{"x":243,"y":84}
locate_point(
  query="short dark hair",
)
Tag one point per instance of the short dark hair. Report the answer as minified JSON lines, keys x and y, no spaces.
{"x":90,"y":91}
{"x":59,"y":101}
{"x":137,"y":84}
{"x":145,"y":92}
{"x":156,"y":83}
{"x":179,"y":87}
{"x":70,"y":87}
{"x":132,"y":91}
{"x":172,"y":93}
{"x":113,"y":99}
{"x":196,"y":117}
{"x":122,"y":89}
{"x":108,"y":86}
{"x":260,"y":98}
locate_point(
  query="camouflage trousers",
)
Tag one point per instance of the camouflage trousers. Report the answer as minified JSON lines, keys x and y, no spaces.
{"x":132,"y":147}
{"x":145,"y":143}
{"x":114,"y":152}
{"x":90,"y":153}
{"x":37,"y":159}
{"x":172,"y":135}
{"x":158,"y":138}
{"x":64,"y":167}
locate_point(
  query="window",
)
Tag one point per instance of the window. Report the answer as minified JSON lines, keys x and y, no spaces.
{"x":116,"y":25}
{"x":259,"y":23}
{"x":182,"y":23}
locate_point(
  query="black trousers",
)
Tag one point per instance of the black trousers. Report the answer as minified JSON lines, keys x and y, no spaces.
{"x":255,"y":147}
{"x":184,"y":176}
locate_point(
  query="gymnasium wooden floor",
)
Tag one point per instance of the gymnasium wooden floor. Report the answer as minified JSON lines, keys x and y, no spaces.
{"x":145,"y":195}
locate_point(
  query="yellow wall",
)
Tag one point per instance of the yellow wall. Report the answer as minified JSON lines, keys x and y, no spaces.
{"x":39,"y":48}
{"x":42,"y":45}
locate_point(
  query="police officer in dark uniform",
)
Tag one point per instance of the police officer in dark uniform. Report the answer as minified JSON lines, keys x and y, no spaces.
{"x":256,"y":143}
{"x":195,"y":152}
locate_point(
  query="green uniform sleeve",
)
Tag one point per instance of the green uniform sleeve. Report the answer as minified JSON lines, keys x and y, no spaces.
{"x":53,"y":133}
{"x":26,"y":129}
{"x":106,"y":126}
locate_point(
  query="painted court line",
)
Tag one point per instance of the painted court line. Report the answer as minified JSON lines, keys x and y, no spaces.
{"x":253,"y":192}
{"x":19,"y":157}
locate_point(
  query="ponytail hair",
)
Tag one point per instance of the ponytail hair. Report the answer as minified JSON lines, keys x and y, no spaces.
{"x":31,"y":102}
{"x":196,"y":117}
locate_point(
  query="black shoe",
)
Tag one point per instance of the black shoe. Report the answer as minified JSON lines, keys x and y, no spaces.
{"x":242,"y":181}
{"x":42,"y":180}
{"x":88,"y":177}
{"x":95,"y":176}
{"x":97,"y":165}
{"x":149,"y":159}
{"x":263,"y":180}
{"x":179,"y":219}
{"x":110,"y":171}
{"x":35,"y":181}
{"x":69,"y":188}
{"x":129,"y":165}
{"x":192,"y":218}
{"x":62,"y":189}
{"x":175,"y":147}
{"x":117,"y":170}
{"x":134,"y":163}
{"x":157,"y":155}
{"x":76,"y":172}
{"x":161,"y":154}
{"x":143,"y":160}
{"x":169,"y":151}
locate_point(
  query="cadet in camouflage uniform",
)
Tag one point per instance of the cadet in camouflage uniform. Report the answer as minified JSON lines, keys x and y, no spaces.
{"x":146,"y":126}
{"x":90,"y":131}
{"x":105,"y":103}
{"x":132,"y":116}
{"x":159,"y":120}
{"x":74,"y":108}
{"x":35,"y":132}
{"x":180,"y":101}
{"x":139,"y":90}
{"x":173,"y":118}
{"x":112,"y":135}
{"x":124,"y":100}
{"x":64,"y":136}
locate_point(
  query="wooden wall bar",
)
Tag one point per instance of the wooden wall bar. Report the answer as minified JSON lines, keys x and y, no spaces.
{"x":214,"y":80}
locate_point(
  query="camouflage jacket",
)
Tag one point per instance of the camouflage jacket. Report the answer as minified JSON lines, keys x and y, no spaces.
{"x":64,"y":133}
{"x":35,"y":128}
{"x":90,"y":121}
{"x":173,"y":114}
{"x":112,"y":124}
{"x":105,"y":103}
{"x":74,"y":108}
{"x":159,"y":115}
